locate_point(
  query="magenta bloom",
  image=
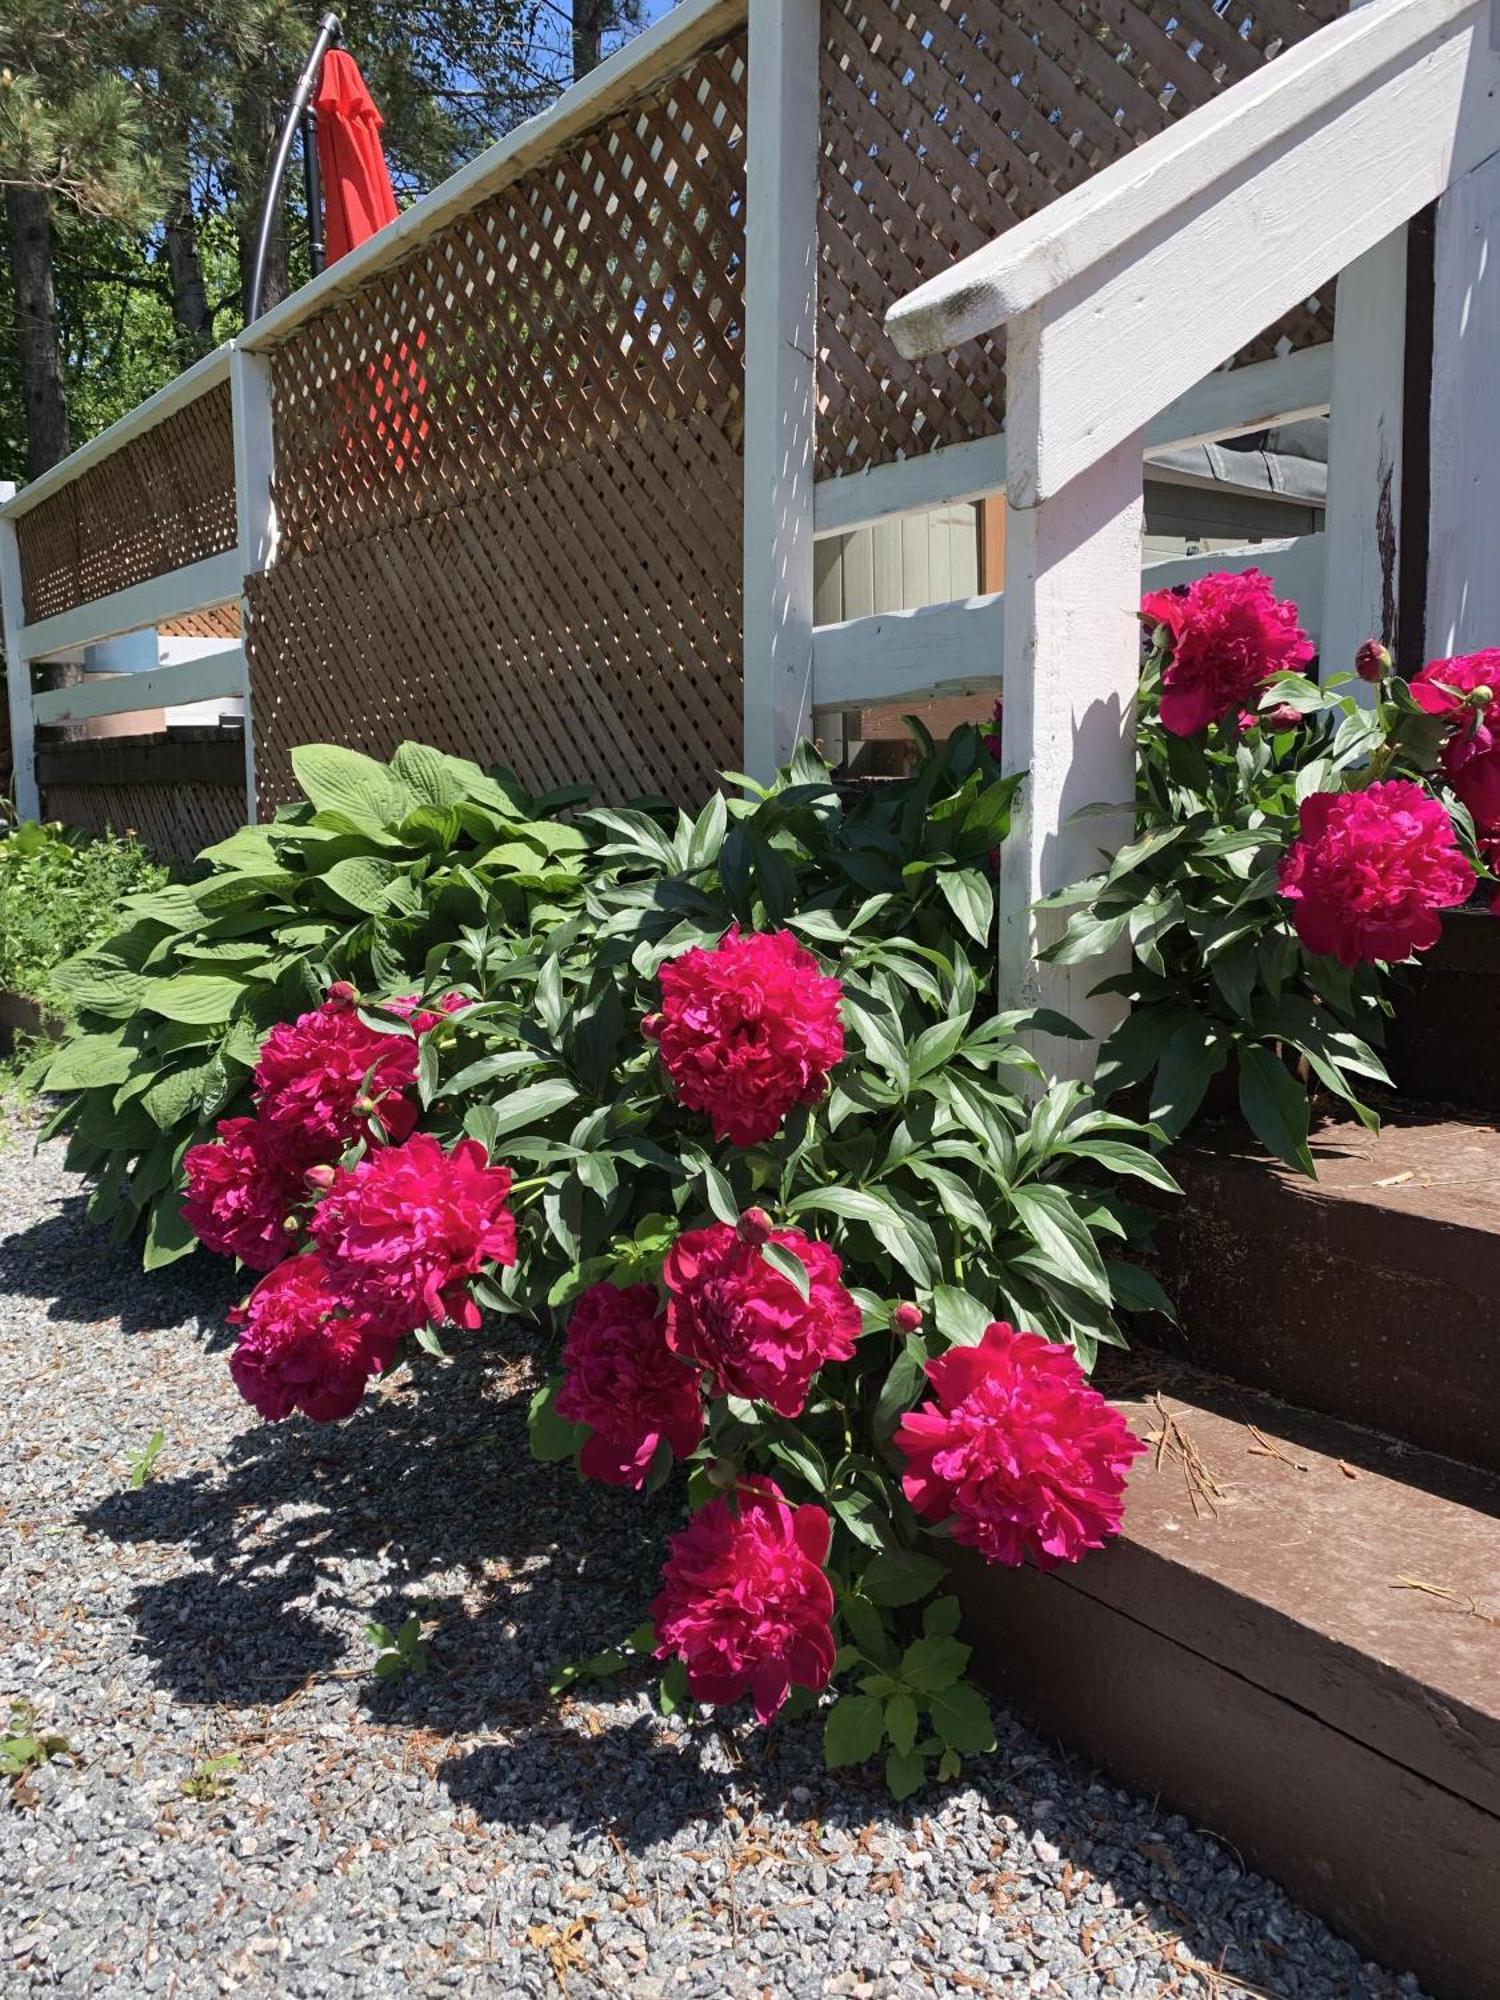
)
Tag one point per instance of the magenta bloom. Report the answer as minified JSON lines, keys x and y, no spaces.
{"x":735,"y":1315}
{"x":745,"y":1603}
{"x":1471,"y":755}
{"x":323,"y":1077}
{"x":411,"y":1008}
{"x":1018,"y":1450}
{"x":404,"y":1230}
{"x":300,"y":1350}
{"x":1230,"y":634}
{"x":621,"y":1378}
{"x":748,"y":1030}
{"x":241,"y":1187}
{"x":1369,"y":872}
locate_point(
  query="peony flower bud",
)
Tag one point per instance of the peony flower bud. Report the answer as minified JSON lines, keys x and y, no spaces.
{"x":343,"y":992}
{"x":755,"y":1227}
{"x":651,"y":1027}
{"x":1282,"y":716}
{"x":1481,"y":696}
{"x":320,"y":1177}
{"x":907,"y":1317}
{"x":1373,"y":661}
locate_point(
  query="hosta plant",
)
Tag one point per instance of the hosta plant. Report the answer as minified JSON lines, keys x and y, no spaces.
{"x":744,"y":1139}
{"x":380,"y":865}
{"x":1291,"y":845}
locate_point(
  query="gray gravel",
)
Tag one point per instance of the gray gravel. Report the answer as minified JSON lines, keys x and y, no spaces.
{"x":461,"y":1832}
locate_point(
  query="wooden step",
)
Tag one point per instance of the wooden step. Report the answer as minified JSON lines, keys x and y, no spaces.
{"x":1296,"y":1641}
{"x":1444,"y":1042}
{"x":1372,"y":1293}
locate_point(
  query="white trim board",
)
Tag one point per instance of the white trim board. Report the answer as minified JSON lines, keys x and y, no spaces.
{"x":221,"y":673}
{"x":176,"y":593}
{"x":1223,"y":405}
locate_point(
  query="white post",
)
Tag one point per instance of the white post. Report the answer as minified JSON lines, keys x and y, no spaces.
{"x":17,"y":667}
{"x":1364,"y":457}
{"x":255,"y":504}
{"x":781,"y":316}
{"x":1072,"y":664}
{"x":1463,"y":568}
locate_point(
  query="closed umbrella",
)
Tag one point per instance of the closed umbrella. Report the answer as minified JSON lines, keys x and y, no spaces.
{"x":357,"y":194}
{"x":357,"y":201}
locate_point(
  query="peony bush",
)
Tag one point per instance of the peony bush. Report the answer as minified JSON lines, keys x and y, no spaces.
{"x":736,"y":1129}
{"x":1292,"y":844}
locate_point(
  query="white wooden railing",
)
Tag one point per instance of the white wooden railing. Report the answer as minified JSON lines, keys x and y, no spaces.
{"x":1120,"y":299}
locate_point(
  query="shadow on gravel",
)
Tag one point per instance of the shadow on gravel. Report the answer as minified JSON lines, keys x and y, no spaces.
{"x":70,"y":1263}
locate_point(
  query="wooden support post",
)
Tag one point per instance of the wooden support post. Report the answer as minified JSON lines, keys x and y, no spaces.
{"x":1072,"y":663}
{"x":1364,"y":457}
{"x":781,"y":316}
{"x":1463,"y":576}
{"x":17,"y":670}
{"x":255,"y":507}
{"x":991,"y":530}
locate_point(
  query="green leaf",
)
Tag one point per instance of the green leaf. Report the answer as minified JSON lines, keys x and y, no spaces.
{"x":362,"y":882}
{"x":901,"y":1576}
{"x":940,"y":1618}
{"x":789,"y":1264}
{"x":198,"y":997}
{"x":1275,"y":1107}
{"x":1136,"y":1290}
{"x":87,"y":1061}
{"x":929,"y":1664}
{"x":1193,"y":1056}
{"x":1062,"y":1238}
{"x":905,"y":1773}
{"x":347,"y":782}
{"x":553,"y":1438}
{"x":854,"y":1731}
{"x":961,"y":1319}
{"x":961,"y":1716}
{"x":532,"y":1103}
{"x":1121,"y":1158}
{"x":900,"y":1387}
{"x":901,"y":1722}
{"x":168,"y":1237}
{"x":971,"y":897}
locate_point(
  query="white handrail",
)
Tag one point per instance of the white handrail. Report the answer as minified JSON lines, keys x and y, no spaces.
{"x":1176,"y":172}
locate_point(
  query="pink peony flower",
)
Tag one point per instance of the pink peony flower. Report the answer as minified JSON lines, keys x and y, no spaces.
{"x":621,"y":1378}
{"x":300,"y":1350}
{"x":745,"y":1603}
{"x":241,"y":1187}
{"x":1369,"y":872}
{"x":1471,"y":755}
{"x":994,"y":741}
{"x":1018,"y":1450}
{"x":1229,"y":635}
{"x":748,"y":1030}
{"x":410,"y":1007}
{"x":749,"y":1326}
{"x":404,"y":1230}
{"x":322,"y":1077}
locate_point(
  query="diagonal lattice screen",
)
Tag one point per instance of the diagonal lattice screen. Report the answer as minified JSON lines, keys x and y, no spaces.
{"x":508,"y":476}
{"x":943,"y":118}
{"x":164,"y":499}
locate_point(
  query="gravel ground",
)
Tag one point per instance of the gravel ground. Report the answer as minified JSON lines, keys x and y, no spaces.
{"x":461,"y":1832}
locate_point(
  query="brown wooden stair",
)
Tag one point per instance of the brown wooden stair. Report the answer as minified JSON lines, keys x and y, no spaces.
{"x":1297,"y":1642}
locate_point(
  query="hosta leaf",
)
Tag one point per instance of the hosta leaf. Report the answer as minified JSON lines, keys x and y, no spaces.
{"x":197,"y":997}
{"x":89,"y":1060}
{"x":349,"y":783}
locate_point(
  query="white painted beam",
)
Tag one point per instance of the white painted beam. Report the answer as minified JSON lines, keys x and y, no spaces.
{"x":220,"y":673}
{"x":255,"y":508}
{"x":17,"y":668}
{"x":1223,"y":405}
{"x":1237,"y":214}
{"x":175,"y":594}
{"x":781,"y":316}
{"x":911,"y":656}
{"x":1463,"y":577}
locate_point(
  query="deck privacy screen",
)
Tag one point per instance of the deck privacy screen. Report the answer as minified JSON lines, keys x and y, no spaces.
{"x":164,"y":501}
{"x":508,"y":473}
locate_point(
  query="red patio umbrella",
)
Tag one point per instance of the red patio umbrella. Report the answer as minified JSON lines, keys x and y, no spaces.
{"x":357,"y":201}
{"x":357,"y":194}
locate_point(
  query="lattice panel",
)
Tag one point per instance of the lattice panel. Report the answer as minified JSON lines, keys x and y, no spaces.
{"x":943,"y":118}
{"x":161,"y":501}
{"x":508,"y":474}
{"x":584,"y":627}
{"x":220,"y":621}
{"x":175,"y":821}
{"x":595,"y":294}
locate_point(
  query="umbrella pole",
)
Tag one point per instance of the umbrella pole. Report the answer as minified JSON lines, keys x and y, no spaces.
{"x":330,"y":30}
{"x":313,"y":185}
